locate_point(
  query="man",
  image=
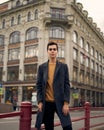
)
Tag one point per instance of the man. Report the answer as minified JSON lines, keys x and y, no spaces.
{"x":53,"y":91}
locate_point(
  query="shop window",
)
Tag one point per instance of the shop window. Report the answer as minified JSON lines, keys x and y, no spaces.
{"x":28,"y":93}
{"x":11,"y":95}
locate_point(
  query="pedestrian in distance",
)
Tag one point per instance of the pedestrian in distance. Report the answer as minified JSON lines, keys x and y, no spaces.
{"x":53,"y":91}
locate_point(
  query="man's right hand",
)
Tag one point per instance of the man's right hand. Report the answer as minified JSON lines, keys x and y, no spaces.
{"x":40,"y":106}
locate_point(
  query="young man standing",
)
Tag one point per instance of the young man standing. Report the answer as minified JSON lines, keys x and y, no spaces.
{"x":53,"y":91}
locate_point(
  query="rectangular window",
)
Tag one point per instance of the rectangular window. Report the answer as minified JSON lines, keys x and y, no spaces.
{"x":92,"y":51}
{"x":30,"y":72}
{"x":96,"y":54}
{"x":82,"y":76}
{"x":87,"y":78}
{"x":31,"y":51}
{"x":1,"y":56}
{"x":81,"y":58}
{"x":87,"y":62}
{"x":92,"y":64}
{"x":61,"y":51}
{"x":92,"y":80}
{"x":75,"y":54}
{"x":75,"y":73}
{"x":58,"y":13}
{"x":97,"y":67}
{"x":14,"y":54}
{"x":13,"y":73}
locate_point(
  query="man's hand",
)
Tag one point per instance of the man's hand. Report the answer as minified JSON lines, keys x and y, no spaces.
{"x":65,"y":109}
{"x":40,"y":106}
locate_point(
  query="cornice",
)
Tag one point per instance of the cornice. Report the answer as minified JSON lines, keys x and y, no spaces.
{"x":84,"y":14}
{"x":21,"y":7}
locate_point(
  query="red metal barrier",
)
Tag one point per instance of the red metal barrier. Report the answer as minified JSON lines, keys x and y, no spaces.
{"x":26,"y":112}
{"x":87,"y":116}
{"x":25,"y":119}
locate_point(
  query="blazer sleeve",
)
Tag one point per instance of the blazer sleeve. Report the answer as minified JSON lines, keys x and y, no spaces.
{"x":39,"y":84}
{"x":66,"y":85}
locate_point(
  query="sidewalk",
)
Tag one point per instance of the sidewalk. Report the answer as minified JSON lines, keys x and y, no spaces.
{"x":100,"y":128}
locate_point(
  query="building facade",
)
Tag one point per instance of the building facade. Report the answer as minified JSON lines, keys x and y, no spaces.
{"x":26,"y":26}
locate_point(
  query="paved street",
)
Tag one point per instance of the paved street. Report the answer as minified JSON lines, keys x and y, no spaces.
{"x":13,"y":123}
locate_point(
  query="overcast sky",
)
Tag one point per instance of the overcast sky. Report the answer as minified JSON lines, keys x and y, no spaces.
{"x":95,"y":10}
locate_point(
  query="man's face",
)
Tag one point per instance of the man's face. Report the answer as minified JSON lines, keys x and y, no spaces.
{"x":52,"y":51}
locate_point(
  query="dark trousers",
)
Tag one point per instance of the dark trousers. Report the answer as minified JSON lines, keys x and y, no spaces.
{"x":48,"y":118}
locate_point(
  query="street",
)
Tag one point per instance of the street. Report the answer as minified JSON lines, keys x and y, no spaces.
{"x":13,"y":123}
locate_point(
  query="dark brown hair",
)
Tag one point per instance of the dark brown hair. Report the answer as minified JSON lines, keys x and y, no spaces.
{"x":52,"y":43}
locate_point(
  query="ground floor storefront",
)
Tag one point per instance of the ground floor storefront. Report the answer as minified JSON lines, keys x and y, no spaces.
{"x":17,"y":93}
{"x":80,"y":96}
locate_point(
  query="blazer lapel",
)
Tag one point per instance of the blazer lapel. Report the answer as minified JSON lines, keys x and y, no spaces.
{"x":57,"y":68}
{"x":46,"y":72}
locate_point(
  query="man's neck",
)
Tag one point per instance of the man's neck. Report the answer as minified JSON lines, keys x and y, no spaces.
{"x":52,"y":60}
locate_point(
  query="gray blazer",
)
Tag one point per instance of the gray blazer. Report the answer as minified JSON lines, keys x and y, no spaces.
{"x":61,"y":88}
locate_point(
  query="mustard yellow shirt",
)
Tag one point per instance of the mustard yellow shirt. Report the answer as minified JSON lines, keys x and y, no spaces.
{"x":49,"y":87}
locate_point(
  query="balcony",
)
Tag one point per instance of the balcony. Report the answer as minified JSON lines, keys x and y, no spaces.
{"x":66,"y":20}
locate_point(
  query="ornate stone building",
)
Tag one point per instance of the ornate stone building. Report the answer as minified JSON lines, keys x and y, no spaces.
{"x":26,"y":26}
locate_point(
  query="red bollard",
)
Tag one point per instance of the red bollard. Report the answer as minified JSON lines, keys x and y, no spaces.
{"x":25,"y":118}
{"x":87,"y":116}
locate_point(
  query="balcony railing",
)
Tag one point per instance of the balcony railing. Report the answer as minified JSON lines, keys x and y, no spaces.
{"x":65,"y":19}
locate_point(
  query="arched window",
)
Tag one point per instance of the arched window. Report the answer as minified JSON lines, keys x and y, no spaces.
{"x":3,"y":24}
{"x":92,"y":51}
{"x":12,"y":21}
{"x":1,"y":40}
{"x":15,"y":37}
{"x":29,"y":16}
{"x":19,"y":19}
{"x":57,"y":32}
{"x":32,"y":33}
{"x":87,"y":47}
{"x":36,"y":14}
{"x":18,"y":3}
{"x":82,"y":42}
{"x":75,"y":37}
